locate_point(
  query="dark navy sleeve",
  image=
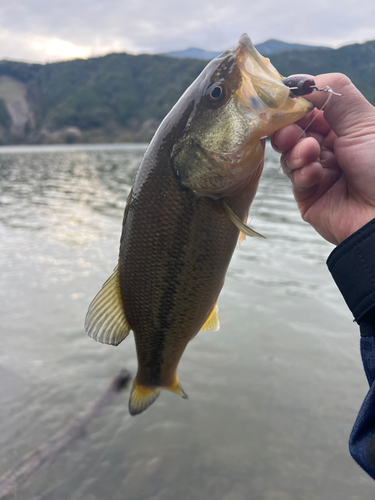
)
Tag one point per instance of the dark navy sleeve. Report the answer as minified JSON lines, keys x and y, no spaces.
{"x":352,"y":265}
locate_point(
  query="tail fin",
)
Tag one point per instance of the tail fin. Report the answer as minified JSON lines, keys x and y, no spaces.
{"x":176,"y":387}
{"x":142,"y":397}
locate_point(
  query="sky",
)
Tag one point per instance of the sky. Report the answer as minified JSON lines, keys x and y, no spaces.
{"x":54,"y":30}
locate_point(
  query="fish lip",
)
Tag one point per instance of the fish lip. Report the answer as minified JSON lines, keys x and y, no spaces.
{"x":246,"y":40}
{"x":263,"y":93}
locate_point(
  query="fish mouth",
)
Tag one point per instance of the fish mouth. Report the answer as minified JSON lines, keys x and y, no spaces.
{"x":263,"y":94}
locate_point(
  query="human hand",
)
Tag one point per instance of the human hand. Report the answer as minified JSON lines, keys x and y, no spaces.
{"x":332,"y":164}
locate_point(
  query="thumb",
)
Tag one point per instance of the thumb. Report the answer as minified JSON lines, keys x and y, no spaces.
{"x":346,"y":114}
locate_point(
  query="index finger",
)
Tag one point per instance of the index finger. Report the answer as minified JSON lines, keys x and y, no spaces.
{"x":314,"y":122}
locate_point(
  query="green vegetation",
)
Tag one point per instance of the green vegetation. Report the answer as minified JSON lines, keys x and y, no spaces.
{"x":121,"y":97}
{"x":356,"y":61}
{"x":5,"y":119}
{"x":113,"y":95}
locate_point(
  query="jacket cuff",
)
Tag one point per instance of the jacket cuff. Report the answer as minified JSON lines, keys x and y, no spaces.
{"x":352,"y":265}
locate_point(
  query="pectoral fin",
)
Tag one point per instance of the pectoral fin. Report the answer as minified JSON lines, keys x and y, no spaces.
{"x":105,"y":319}
{"x":212,"y":322}
{"x":238,"y":223}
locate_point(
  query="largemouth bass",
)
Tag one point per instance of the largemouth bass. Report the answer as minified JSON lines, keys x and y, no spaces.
{"x":186,"y":210}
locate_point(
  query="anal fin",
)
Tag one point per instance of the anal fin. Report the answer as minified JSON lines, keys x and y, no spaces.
{"x":105,"y":319}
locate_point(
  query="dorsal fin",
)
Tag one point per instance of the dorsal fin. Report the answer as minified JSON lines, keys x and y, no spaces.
{"x":105,"y":320}
{"x":238,"y":223}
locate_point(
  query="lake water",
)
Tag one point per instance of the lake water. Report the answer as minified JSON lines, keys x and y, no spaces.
{"x":272,"y":395}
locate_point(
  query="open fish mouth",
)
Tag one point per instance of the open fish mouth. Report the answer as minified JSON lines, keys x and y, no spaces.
{"x":263,"y":93}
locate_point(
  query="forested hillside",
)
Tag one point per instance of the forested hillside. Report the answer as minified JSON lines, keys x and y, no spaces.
{"x":122,"y":97}
{"x":118,"y":97}
{"x":357,"y":61}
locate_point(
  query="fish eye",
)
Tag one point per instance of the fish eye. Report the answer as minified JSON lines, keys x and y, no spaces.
{"x":217,"y":93}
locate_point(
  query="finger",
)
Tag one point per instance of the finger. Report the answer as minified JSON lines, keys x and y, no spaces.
{"x":306,"y":151}
{"x":306,"y":183}
{"x":314,"y":121}
{"x":316,"y":179}
{"x":328,"y":142}
{"x":347,"y":113}
{"x":285,"y":138}
{"x":312,"y":124}
{"x":306,"y":177}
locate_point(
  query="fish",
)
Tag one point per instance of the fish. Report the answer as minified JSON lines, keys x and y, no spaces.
{"x":185,"y":213}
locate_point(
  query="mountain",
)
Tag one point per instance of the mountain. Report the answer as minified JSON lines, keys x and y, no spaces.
{"x":123,"y":98}
{"x":275,"y":46}
{"x":192,"y":53}
{"x":266,"y":49}
{"x":356,"y":61}
{"x":115,"y":98}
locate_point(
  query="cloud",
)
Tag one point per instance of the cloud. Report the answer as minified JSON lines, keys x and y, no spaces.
{"x":40,"y":30}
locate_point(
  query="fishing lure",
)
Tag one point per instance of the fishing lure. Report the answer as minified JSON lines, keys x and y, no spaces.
{"x":302,"y":85}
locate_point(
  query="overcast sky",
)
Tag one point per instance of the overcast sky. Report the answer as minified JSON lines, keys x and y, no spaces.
{"x":52,"y":30}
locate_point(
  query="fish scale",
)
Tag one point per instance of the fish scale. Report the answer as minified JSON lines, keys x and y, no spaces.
{"x":180,"y":279}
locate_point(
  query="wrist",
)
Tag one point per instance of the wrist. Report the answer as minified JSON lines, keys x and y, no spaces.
{"x":355,"y":225}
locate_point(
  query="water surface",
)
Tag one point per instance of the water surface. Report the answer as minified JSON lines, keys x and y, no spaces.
{"x":272,"y":395}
